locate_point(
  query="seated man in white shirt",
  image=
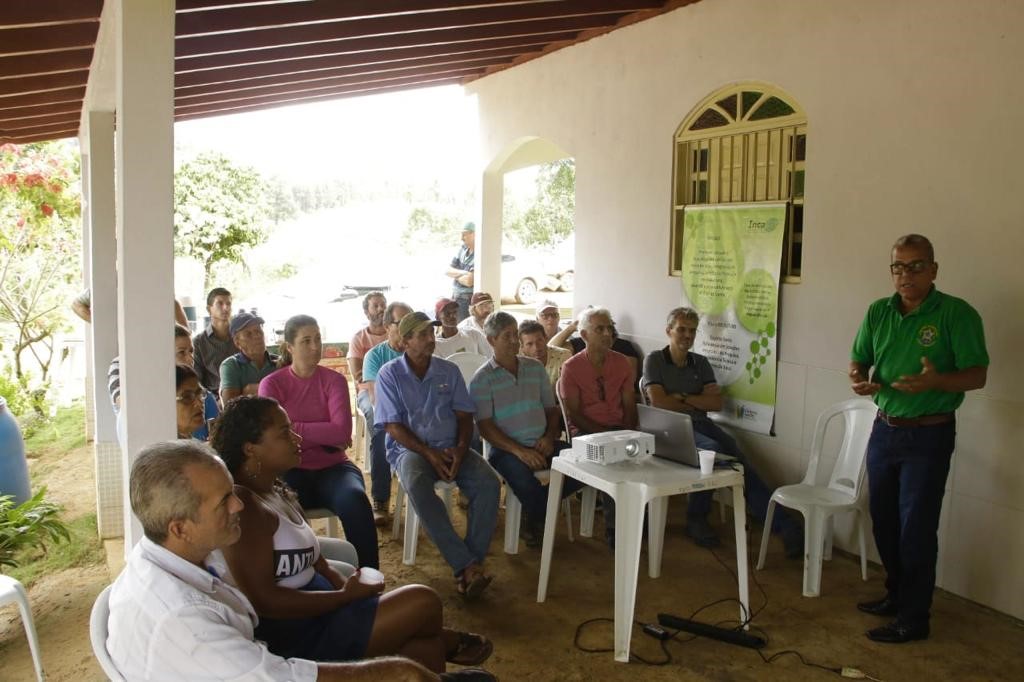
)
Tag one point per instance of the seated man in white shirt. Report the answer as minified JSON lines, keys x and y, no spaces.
{"x":170,"y":617}
{"x":451,"y":339}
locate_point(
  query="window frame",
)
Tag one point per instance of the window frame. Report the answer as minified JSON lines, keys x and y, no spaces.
{"x":769,"y":168}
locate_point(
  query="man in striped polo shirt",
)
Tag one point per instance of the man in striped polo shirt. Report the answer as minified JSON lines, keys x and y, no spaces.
{"x":518,"y":416}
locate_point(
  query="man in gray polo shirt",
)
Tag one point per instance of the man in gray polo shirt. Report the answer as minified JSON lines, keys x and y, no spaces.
{"x":677,"y":379}
{"x":517,"y":414}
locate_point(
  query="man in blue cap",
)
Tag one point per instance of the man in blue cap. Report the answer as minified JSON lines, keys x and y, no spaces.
{"x":241,"y":373}
{"x":461,"y":270}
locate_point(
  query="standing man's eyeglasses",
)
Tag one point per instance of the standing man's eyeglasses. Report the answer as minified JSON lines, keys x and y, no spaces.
{"x":913,"y":267}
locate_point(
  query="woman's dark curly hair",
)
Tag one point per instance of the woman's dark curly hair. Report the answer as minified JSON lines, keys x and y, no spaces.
{"x":243,"y":420}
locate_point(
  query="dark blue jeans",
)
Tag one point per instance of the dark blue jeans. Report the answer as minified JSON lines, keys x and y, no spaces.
{"x":531,"y":493}
{"x":380,"y":470}
{"x":907,"y":470}
{"x":341,"y":489}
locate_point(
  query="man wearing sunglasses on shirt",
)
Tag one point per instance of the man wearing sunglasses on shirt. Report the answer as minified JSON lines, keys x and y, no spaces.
{"x":596,"y":389}
{"x":915,"y":354}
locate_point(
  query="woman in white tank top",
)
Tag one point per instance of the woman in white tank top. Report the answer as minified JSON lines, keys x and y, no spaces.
{"x":306,"y":609}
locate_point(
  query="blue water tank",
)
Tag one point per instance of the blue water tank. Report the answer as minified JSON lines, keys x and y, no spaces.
{"x":13,"y":466}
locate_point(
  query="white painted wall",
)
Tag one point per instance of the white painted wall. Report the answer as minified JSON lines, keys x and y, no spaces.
{"x":913,"y":125}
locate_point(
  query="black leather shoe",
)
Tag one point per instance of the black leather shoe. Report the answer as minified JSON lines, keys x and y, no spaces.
{"x":879,"y":607}
{"x":897,"y":633}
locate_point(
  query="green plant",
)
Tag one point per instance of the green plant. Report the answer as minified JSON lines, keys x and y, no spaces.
{"x":83,"y":549}
{"x":33,"y":523}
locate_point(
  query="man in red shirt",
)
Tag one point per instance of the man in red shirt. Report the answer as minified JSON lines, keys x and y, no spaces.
{"x":596,"y":389}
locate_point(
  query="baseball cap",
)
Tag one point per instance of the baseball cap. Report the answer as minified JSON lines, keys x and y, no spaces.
{"x":241,"y":321}
{"x":441,"y":305}
{"x":469,"y":227}
{"x":545,"y":305}
{"x":480,"y":297}
{"x":413,"y":322}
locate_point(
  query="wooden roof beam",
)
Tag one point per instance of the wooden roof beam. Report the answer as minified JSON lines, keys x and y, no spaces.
{"x":359,"y":61}
{"x":381,"y":26}
{"x":359,"y":91}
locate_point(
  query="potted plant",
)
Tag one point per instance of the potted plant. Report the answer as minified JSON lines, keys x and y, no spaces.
{"x":32,"y":523}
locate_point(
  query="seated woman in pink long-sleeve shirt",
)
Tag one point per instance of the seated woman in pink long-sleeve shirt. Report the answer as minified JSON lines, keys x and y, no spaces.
{"x":316,"y":400}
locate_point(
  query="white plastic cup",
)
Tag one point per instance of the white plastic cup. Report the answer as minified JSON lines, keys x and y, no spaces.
{"x":370,"y":576}
{"x":707,"y":462}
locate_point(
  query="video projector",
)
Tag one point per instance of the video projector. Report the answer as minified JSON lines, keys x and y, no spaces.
{"x":610,"y":447}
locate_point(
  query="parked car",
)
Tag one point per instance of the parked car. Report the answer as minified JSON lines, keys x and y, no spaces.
{"x":522,"y":276}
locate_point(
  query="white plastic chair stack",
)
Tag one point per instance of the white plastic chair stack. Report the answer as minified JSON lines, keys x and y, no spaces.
{"x":12,"y":591}
{"x":819,"y":503}
{"x":98,"y":635}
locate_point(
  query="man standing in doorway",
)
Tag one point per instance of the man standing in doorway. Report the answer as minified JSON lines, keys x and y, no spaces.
{"x":916,"y":353}
{"x":214,"y":345}
{"x":461,"y":270}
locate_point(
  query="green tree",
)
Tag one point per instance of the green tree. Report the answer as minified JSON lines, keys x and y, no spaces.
{"x":552,"y":216}
{"x":40,"y":246}
{"x":219,"y":210}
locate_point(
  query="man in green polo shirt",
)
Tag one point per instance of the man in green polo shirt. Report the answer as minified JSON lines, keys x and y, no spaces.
{"x":916,"y":353}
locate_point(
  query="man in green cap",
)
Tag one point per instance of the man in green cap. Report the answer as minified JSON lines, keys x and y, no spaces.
{"x":461,"y":271}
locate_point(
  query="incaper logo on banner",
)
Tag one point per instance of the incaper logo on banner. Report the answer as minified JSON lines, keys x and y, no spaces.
{"x":927,"y":335}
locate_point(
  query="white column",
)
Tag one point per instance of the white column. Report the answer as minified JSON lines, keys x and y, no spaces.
{"x":101,"y":252}
{"x":145,"y":256}
{"x":90,"y":362}
{"x":488,"y":239}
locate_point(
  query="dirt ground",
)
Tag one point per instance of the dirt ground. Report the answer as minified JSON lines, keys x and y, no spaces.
{"x":536,"y":641}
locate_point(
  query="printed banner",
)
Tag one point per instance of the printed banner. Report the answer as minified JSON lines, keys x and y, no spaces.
{"x":732,"y":258}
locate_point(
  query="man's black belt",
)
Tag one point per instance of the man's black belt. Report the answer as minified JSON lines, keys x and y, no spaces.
{"x":924,"y":420}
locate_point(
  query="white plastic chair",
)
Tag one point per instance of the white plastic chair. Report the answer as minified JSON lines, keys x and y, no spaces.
{"x":514,"y":508}
{"x":514,"y":513}
{"x":412,"y":520}
{"x":13,"y":592}
{"x":98,"y":634}
{"x":323,"y":513}
{"x":819,"y":503}
{"x":468,"y":363}
{"x":363,"y":433}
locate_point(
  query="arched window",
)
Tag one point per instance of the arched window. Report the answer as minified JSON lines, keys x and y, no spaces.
{"x":744,"y":143}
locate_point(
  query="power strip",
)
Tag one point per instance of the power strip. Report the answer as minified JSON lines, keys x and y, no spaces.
{"x":737,"y":637}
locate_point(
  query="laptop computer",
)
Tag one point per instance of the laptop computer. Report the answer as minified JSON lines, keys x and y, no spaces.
{"x":673,"y":434}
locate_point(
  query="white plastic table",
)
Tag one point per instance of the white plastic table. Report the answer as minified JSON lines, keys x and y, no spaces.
{"x":634,"y":485}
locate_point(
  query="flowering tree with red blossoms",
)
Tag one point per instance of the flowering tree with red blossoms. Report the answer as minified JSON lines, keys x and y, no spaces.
{"x":40,"y":246}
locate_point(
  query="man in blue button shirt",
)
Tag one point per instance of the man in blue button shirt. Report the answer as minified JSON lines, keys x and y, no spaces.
{"x":423,"y":404}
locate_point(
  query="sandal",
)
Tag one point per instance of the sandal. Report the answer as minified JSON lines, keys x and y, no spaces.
{"x":469,"y":675}
{"x":472,"y":589}
{"x":472,"y":650}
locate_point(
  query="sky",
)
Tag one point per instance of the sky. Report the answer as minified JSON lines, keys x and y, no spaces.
{"x":425,"y":133}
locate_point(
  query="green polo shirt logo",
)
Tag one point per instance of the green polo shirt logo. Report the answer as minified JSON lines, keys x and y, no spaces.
{"x":927,"y":335}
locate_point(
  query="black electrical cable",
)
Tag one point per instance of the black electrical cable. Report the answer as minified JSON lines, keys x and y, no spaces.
{"x":748,"y":617}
